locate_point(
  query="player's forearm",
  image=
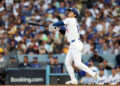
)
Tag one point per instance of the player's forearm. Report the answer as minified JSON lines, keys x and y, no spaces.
{"x":60,"y":23}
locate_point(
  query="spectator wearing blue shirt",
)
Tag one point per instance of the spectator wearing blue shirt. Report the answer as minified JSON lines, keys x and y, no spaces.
{"x":35,"y":63}
{"x":50,"y":9}
{"x":99,"y":46}
{"x":62,"y":8}
{"x":107,"y":1}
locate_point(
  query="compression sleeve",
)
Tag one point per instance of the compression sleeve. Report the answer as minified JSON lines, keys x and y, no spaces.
{"x":62,"y":30}
{"x":60,"y":23}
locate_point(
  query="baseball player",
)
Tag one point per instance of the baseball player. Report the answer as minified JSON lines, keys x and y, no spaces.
{"x":76,"y":46}
{"x":114,"y":78}
{"x":102,"y":78}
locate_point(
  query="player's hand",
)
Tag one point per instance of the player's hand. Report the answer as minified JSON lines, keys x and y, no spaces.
{"x":51,"y":28}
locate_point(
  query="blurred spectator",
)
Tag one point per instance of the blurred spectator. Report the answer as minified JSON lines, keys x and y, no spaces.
{"x":105,"y":49}
{"x":20,"y":48}
{"x":99,"y":25}
{"x":13,"y":63}
{"x":101,"y":66}
{"x":66,"y":48}
{"x":50,"y":9}
{"x":114,"y":78}
{"x":30,"y":49}
{"x":87,"y":80}
{"x":56,"y":67}
{"x":62,"y":8}
{"x":118,"y":59}
{"x":88,"y":47}
{"x":50,"y":60}
{"x":35,"y":63}
{"x":106,"y":66}
{"x":17,"y":37}
{"x":12,"y":47}
{"x":92,"y":66}
{"x":99,"y":45}
{"x":26,"y":63}
{"x":42,"y":50}
{"x":96,"y":59}
{"x":3,"y":62}
{"x":116,"y":48}
{"x":2,"y":8}
{"x":1,"y":50}
{"x":102,"y":78}
{"x":2,"y":43}
{"x":118,"y":70}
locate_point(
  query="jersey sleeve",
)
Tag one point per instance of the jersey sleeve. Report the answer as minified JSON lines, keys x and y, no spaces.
{"x":118,"y":78}
{"x":66,"y":21}
{"x":60,"y":23}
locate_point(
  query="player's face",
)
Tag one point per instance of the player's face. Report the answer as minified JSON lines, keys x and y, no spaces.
{"x":118,"y":69}
{"x":113,"y":71}
{"x":101,"y":73}
{"x":71,"y":14}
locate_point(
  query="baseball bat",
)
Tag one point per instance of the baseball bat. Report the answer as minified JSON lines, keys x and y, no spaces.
{"x":36,"y":24}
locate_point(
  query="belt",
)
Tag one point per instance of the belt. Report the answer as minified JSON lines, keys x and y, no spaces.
{"x":74,"y":40}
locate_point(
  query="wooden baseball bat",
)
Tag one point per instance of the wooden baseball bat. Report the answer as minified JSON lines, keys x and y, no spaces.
{"x":36,"y":24}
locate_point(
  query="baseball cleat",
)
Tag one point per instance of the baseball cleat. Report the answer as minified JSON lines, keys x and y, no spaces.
{"x":71,"y":83}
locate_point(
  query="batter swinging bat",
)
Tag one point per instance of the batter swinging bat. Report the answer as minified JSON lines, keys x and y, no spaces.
{"x":35,"y":24}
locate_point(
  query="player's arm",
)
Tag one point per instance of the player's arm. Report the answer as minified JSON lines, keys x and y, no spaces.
{"x":55,"y":27}
{"x":60,"y":23}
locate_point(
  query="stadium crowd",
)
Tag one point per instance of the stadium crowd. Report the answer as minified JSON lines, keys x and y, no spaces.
{"x":99,"y":31}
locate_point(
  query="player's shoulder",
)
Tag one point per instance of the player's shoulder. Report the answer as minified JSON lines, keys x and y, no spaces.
{"x":117,"y":75}
{"x":70,"y":19}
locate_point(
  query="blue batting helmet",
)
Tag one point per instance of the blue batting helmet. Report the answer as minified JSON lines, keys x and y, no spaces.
{"x":74,"y":10}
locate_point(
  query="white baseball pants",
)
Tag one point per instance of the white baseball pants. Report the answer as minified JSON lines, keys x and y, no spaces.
{"x":74,"y":54}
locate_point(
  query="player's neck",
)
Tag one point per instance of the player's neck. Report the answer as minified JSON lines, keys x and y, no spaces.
{"x":71,"y":17}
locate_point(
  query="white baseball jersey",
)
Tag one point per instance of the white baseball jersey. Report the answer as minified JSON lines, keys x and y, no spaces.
{"x":75,"y":48}
{"x":119,"y":76}
{"x":72,"y":29}
{"x":113,"y":79}
{"x":101,"y":80}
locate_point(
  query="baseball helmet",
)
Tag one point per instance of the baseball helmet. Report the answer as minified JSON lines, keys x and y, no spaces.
{"x":74,"y":10}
